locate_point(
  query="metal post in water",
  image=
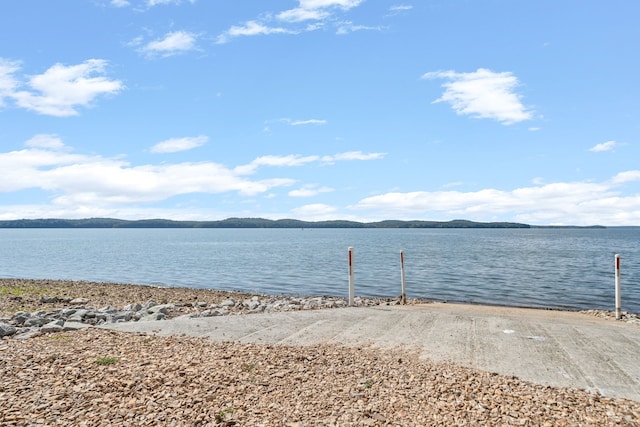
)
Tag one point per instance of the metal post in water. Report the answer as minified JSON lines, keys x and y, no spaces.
{"x":403,"y":295}
{"x":351,"y":286}
{"x":617,"y":281}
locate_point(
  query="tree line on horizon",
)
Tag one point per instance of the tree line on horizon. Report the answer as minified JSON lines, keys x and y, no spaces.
{"x":247,"y":223}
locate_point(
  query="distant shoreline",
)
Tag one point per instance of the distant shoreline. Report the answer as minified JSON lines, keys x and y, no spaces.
{"x":263,"y":223}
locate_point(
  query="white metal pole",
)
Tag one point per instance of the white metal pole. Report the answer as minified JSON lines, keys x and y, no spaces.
{"x":618,"y":298}
{"x":351,"y":287}
{"x":403,"y":296}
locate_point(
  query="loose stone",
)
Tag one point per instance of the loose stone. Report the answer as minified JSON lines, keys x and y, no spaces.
{"x":7,"y":330}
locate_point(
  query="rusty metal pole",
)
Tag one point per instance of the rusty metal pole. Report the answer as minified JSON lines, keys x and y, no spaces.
{"x":403,"y":295}
{"x":617,"y":283}
{"x":351,"y":285}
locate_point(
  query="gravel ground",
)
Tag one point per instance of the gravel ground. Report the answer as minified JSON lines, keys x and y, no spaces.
{"x":104,"y":378}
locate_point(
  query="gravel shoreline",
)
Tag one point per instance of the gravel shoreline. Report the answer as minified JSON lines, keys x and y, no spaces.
{"x":30,"y":295}
{"x":104,"y":378}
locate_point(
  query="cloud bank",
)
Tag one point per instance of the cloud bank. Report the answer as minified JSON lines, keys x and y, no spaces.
{"x":561,"y":203}
{"x":83,"y":185}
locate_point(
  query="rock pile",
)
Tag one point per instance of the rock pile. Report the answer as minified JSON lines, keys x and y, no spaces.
{"x":257,"y":304}
{"x":78,"y":315}
{"x":611,"y":315}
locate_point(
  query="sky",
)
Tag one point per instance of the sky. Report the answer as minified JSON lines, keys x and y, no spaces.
{"x":365,"y":110}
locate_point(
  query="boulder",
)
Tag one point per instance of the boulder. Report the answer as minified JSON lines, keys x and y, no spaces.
{"x":228,"y":303}
{"x":36,"y":321}
{"x":74,"y":326}
{"x":54,"y":326}
{"x":162,"y":308}
{"x":149,"y":304}
{"x":152,"y":317}
{"x":133,"y":307}
{"x":19,"y":318}
{"x":27,"y":333}
{"x":78,"y":315}
{"x":252,"y":304}
{"x":7,"y":330}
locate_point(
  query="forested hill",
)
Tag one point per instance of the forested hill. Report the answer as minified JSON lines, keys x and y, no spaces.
{"x":246,"y":223}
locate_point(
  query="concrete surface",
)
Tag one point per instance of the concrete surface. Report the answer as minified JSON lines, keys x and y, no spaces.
{"x":543,"y":346}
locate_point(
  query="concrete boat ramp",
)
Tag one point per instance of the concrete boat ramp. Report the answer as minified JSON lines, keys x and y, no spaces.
{"x":546,"y":347}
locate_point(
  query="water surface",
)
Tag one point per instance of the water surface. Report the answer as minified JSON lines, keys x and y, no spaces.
{"x":554,"y":268}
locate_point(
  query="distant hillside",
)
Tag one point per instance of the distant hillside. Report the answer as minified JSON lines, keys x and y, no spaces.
{"x":247,"y":223}
{"x":570,"y":226}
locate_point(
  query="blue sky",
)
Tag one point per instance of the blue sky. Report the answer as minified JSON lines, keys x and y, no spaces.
{"x":487,"y":110}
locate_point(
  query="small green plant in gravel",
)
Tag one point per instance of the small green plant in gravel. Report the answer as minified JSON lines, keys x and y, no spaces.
{"x":248,"y":367}
{"x":15,"y":298}
{"x":21,"y":291}
{"x":107,"y":360}
{"x":220,"y":416}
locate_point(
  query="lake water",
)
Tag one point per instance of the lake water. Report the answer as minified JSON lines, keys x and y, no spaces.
{"x":554,"y":268}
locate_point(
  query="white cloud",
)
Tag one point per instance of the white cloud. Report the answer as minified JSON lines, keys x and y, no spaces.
{"x":309,"y":190}
{"x":318,"y":4}
{"x":61,"y":89}
{"x":483,"y":94}
{"x":314,"y":26}
{"x":293,"y":160}
{"x":317,"y":11}
{"x":8,"y":82}
{"x":81,"y":185}
{"x":48,"y":141}
{"x":453,"y":184}
{"x":308,"y":122}
{"x":605,"y":146}
{"x":400,"y":8}
{"x":626,"y":176}
{"x":299,"y":14}
{"x":315,"y":212}
{"x":352,"y":155}
{"x":174,"y":145}
{"x":292,"y":122}
{"x":28,"y":168}
{"x":145,"y":5}
{"x":119,"y":3}
{"x":171,"y":44}
{"x":76,"y":179}
{"x":250,"y":28}
{"x":275,"y":161}
{"x":570,"y":203}
{"x":347,"y":27}
{"x":290,"y":160}
{"x":152,"y":3}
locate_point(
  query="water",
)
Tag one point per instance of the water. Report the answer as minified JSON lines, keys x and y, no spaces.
{"x":552,"y":268}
